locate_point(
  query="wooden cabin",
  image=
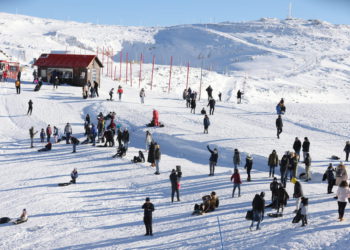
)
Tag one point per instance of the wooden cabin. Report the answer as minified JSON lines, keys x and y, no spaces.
{"x":76,"y":70}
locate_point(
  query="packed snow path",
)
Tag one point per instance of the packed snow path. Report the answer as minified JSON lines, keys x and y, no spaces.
{"x":103,"y":210}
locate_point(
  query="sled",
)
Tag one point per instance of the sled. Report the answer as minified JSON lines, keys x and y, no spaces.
{"x":275,"y":215}
{"x":249,"y":215}
{"x":110,"y":99}
{"x":16,"y":222}
{"x":64,"y":184}
{"x":297,"y":218}
{"x":37,"y":87}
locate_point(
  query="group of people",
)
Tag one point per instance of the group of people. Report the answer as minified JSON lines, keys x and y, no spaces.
{"x":89,"y":87}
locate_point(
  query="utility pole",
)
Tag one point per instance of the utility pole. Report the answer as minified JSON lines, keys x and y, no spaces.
{"x":290,"y":10}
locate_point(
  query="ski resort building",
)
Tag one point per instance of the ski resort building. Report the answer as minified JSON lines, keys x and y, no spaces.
{"x":72,"y":69}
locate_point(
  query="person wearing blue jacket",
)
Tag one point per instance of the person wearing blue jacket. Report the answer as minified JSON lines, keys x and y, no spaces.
{"x":206,"y":124}
{"x":212,"y":160}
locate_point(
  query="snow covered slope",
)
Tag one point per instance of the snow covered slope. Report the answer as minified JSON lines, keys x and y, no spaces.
{"x":307,"y":62}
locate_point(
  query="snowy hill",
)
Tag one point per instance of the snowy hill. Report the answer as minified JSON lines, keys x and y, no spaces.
{"x":297,"y":59}
{"x":307,"y":62}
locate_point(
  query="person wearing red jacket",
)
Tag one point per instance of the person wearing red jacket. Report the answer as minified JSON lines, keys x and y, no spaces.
{"x":155,"y":118}
{"x":236,"y":179}
{"x":120,"y":92}
{"x":48,"y":133}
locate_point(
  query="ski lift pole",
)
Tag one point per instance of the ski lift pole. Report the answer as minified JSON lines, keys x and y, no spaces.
{"x":126,"y":68}
{"x":188,"y":72}
{"x":120,"y":65}
{"x":200,"y":84}
{"x":140,"y":75}
{"x":171,"y":65}
{"x":153,"y":60}
{"x":130,"y":73}
{"x":222,"y":244}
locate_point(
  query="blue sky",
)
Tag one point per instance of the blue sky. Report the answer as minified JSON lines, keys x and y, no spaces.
{"x":165,"y":12}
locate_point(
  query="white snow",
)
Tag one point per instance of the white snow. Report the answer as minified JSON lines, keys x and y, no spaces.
{"x":306,"y":62}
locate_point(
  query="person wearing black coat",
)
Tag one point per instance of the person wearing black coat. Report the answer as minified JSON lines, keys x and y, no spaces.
{"x":248,"y":165}
{"x":193,"y":105}
{"x":174,"y":179}
{"x":329,"y":176}
{"x":30,"y":107}
{"x":298,"y":193}
{"x":119,"y":137}
{"x":274,"y":190}
{"x":279,"y":125}
{"x":126,"y":138}
{"x":75,"y":142}
{"x":210,"y":92}
{"x":206,"y":124}
{"x":109,"y":136}
{"x":239,"y":96}
{"x":297,"y":147}
{"x":284,"y":163}
{"x":347,"y":150}
{"x":212,"y":160}
{"x":151,"y":154}
{"x":282,"y":197}
{"x":211,"y":103}
{"x":258,"y":209}
{"x":306,"y":147}
{"x":148,"y":209}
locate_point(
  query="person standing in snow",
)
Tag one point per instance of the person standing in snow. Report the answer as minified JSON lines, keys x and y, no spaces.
{"x":282,"y":197}
{"x":239,"y":96}
{"x":211,"y":103}
{"x":306,"y":147}
{"x":157,"y":157}
{"x":93,"y":134}
{"x":236,"y":180}
{"x":148,"y":209}
{"x":142,"y":95}
{"x":126,"y":138}
{"x":236,"y":158}
{"x":111,"y":92}
{"x":210,"y":92}
{"x":284,"y":163}
{"x":273,"y":163}
{"x":274,"y":191}
{"x":347,"y":150}
{"x":307,"y":162}
{"x":74,"y":176}
{"x":193,"y":105}
{"x":329,"y":176}
{"x":32,"y":134}
{"x":248,"y":165}
{"x":149,"y":139}
{"x":56,"y":82}
{"x":343,"y":194}
{"x":30,"y":107}
{"x":75,"y":142}
{"x":48,"y":133}
{"x":212,"y":160}
{"x":174,"y":180}
{"x":151,"y":152}
{"x":298,"y":194}
{"x":206,"y":124}
{"x":42,"y":135}
{"x":68,"y":132}
{"x":303,"y":210}
{"x":120,"y":92}
{"x":18,"y":87}
{"x":279,"y":125}
{"x":219,"y":96}
{"x":96,"y":88}
{"x":258,"y":210}
{"x":55,"y":134}
{"x":297,"y":147}
{"x":341,"y":174}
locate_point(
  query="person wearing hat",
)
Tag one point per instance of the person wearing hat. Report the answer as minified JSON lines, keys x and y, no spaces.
{"x":148,"y":209}
{"x":306,"y":147}
{"x":258,"y":210}
{"x":297,"y":147}
{"x":330,"y":177}
{"x":212,"y":160}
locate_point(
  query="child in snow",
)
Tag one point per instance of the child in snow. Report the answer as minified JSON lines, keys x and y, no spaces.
{"x":23,"y":217}
{"x":236,"y":179}
{"x":74,"y":175}
{"x":42,"y":135}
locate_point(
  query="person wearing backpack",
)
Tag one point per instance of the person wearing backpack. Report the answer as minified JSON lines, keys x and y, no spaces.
{"x":236,"y":180}
{"x":273,"y":163}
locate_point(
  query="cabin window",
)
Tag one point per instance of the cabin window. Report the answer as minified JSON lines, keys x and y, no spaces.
{"x":82,"y":75}
{"x":93,"y":74}
{"x":43,"y":73}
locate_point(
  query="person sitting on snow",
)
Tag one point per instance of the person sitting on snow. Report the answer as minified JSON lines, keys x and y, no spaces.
{"x":139,"y":158}
{"x":23,"y":217}
{"x":47,"y":147}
